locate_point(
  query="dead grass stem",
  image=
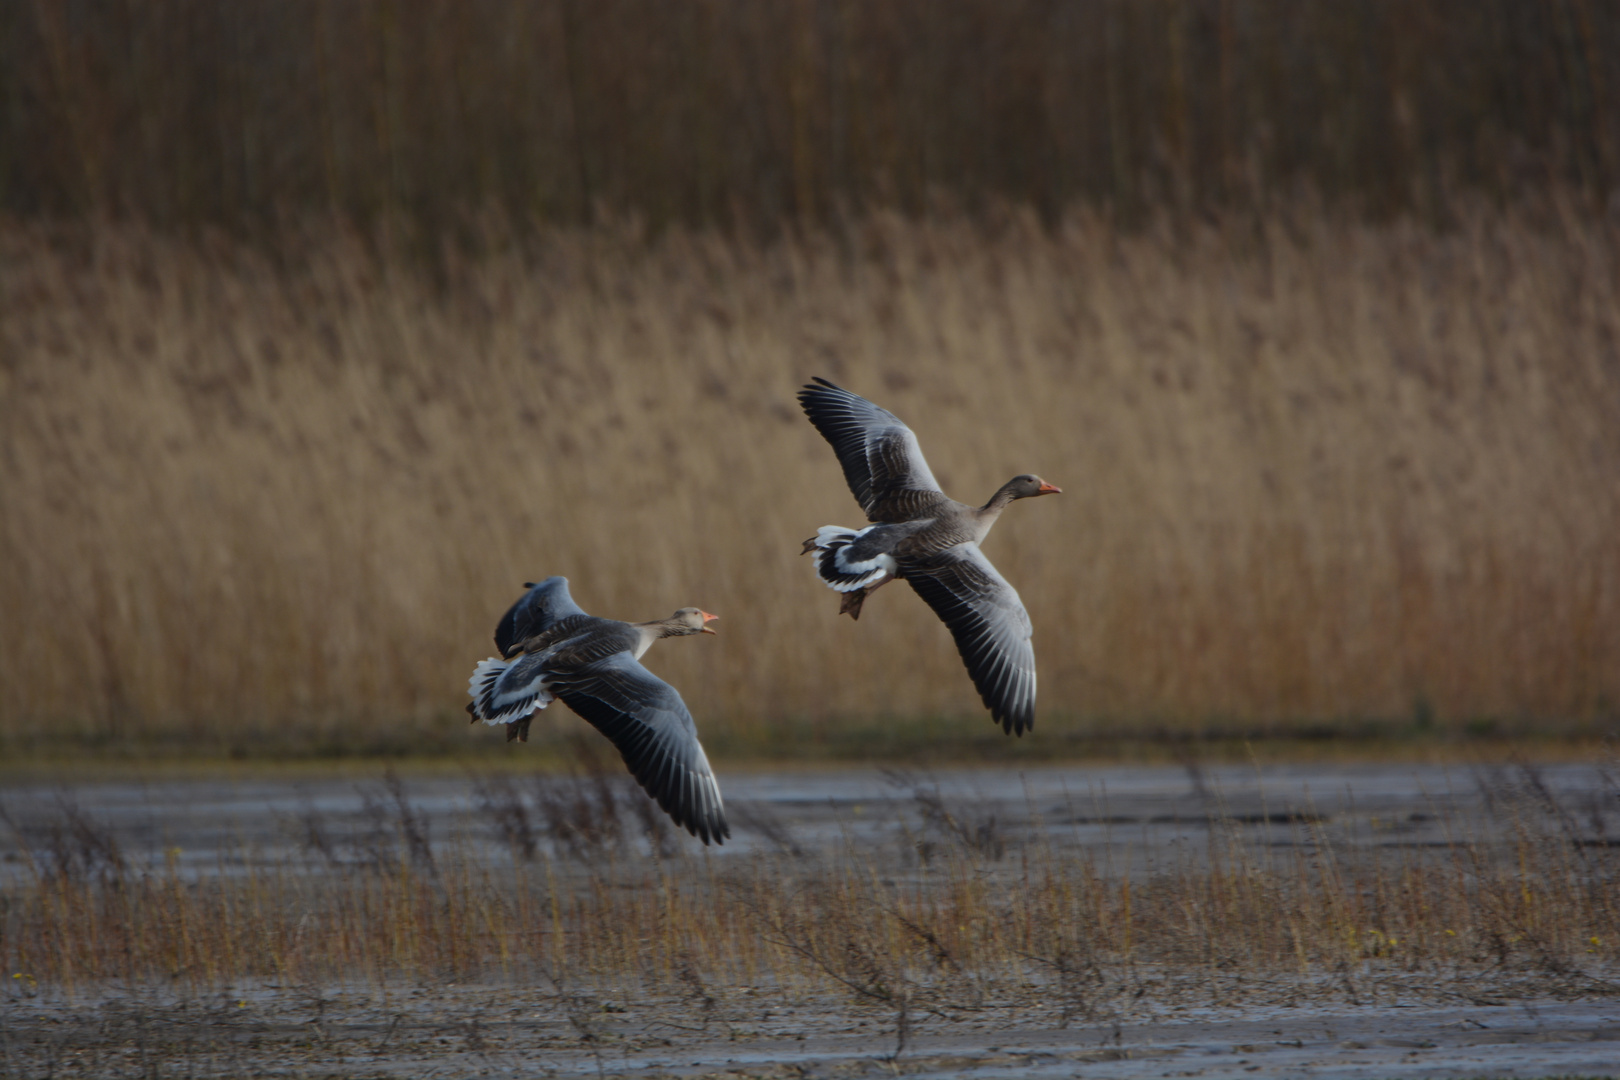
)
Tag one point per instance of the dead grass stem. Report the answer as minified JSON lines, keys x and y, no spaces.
{"x":944,"y":935}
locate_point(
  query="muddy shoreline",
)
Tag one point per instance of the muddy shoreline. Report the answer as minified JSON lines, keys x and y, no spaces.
{"x":1135,"y":818}
{"x":1378,"y":1016}
{"x":498,"y":1032}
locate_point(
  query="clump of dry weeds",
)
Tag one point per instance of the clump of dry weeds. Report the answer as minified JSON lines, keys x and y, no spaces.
{"x":1525,"y":897}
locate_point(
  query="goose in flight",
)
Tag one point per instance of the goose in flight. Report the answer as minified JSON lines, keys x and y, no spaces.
{"x":550,"y":648}
{"x":932,"y":541}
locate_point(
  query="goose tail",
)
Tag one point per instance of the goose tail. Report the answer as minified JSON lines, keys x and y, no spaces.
{"x":503,"y":692}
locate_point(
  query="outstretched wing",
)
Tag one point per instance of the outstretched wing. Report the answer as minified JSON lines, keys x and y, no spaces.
{"x":647,"y":720}
{"x":991,"y":628}
{"x":542,"y":606}
{"x":882,"y":462}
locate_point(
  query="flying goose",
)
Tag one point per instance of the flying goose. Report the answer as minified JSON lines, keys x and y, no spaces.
{"x":551,"y":649}
{"x":932,"y":541}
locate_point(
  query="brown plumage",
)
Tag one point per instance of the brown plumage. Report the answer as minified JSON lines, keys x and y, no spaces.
{"x":550,"y":648}
{"x":922,"y":535}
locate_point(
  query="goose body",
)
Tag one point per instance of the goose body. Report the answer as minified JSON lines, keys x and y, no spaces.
{"x":550,"y":649}
{"x":925,"y":537}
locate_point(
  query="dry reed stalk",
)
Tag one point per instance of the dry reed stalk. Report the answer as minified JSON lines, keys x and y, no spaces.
{"x":954,"y":934}
{"x":1321,"y":471}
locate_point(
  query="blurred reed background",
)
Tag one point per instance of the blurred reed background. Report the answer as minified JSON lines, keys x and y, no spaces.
{"x":325,"y":326}
{"x":726,"y":111}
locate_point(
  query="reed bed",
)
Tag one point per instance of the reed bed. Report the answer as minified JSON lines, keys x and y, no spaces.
{"x":1315,"y":470}
{"x":948,"y":915}
{"x":719,"y":111}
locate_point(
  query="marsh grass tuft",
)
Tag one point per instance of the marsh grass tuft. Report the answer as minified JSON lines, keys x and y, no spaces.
{"x":1519,"y":897}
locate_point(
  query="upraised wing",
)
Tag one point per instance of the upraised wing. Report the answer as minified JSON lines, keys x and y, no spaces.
{"x":991,"y":628}
{"x":882,"y":462}
{"x":647,"y":720}
{"x":539,"y":608}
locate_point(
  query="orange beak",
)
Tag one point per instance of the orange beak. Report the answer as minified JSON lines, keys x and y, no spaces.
{"x":706,"y":618}
{"x":1049,"y":489}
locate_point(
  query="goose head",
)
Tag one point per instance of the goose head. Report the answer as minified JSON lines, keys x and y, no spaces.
{"x":689,"y":620}
{"x":1028,"y":486}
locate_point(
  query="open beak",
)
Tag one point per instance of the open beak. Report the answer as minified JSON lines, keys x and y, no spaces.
{"x":706,"y":618}
{"x":1049,"y":489}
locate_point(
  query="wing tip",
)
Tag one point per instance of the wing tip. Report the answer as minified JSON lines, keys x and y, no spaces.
{"x":819,"y":389}
{"x":1015,"y":724}
{"x":706,"y":822}
{"x":711,"y":829}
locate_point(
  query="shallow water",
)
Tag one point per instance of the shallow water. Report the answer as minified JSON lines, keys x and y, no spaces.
{"x":1125,"y":819}
{"x":1130,"y":819}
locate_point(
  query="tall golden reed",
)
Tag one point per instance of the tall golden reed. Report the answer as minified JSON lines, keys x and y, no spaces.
{"x":1313,"y":469}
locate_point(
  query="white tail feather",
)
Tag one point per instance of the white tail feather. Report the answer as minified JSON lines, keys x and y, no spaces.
{"x":828,"y":533}
{"x":502,"y":705}
{"x":841,"y":559}
{"x":841,"y":573}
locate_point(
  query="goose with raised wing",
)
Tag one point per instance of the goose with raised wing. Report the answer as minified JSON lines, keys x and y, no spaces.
{"x":921,"y":535}
{"x":550,"y":649}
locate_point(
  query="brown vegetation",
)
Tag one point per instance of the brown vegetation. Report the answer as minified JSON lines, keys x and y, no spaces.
{"x":714,"y":112}
{"x":1313,"y":471}
{"x":964,"y":914}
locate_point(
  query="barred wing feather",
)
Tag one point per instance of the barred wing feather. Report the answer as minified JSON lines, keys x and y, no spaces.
{"x":881,"y":459}
{"x":650,"y":724}
{"x":991,"y":628}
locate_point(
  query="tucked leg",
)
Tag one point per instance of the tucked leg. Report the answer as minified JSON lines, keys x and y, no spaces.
{"x":855,"y":598}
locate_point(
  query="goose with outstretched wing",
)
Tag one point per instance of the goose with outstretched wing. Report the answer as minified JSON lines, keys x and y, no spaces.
{"x":550,"y":649}
{"x":922,"y":535}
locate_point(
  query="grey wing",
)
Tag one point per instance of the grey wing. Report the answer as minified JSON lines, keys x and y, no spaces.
{"x":882,"y":462}
{"x":991,"y":628}
{"x":647,"y":720}
{"x":537,"y":610}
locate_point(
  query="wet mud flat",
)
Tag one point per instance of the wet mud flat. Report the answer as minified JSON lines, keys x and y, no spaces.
{"x":897,"y":995}
{"x":498,"y":1032}
{"x":1130,"y":819}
